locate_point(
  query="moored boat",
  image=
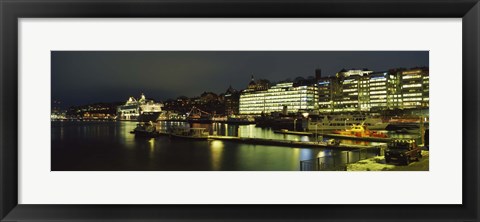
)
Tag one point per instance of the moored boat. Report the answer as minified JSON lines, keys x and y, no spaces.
{"x":145,"y":129}
{"x":189,"y":133}
{"x":360,"y":131}
{"x":342,"y":122}
{"x":143,"y":110}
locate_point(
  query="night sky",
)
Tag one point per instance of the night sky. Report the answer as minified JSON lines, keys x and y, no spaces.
{"x":83,"y":77}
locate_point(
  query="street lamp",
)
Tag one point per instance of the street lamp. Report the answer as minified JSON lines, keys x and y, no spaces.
{"x":305,"y":118}
{"x":295,"y":124}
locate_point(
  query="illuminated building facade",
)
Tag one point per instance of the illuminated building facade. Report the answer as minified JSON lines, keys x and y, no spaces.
{"x":292,"y":97}
{"x":327,"y":89}
{"x":383,"y":91}
{"x":352,"y":95}
{"x":364,"y":90}
{"x":232,"y":98}
{"x":415,"y":88}
{"x":349,"y":91}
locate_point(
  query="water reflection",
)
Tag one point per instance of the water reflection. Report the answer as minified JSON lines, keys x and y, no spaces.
{"x":216,"y":148}
{"x":111,"y":146}
{"x":151,"y":143}
{"x":305,"y":154}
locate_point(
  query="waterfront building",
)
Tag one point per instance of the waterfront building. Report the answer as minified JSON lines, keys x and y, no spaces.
{"x":57,"y":113}
{"x":231,"y":100}
{"x":353,"y":92}
{"x":92,"y":111}
{"x":282,"y":97}
{"x":97,"y":115}
{"x":181,"y":105}
{"x":327,"y":89}
{"x":353,"y":73}
{"x":207,"y":97}
{"x":133,"y":109}
{"x":383,"y":91}
{"x":365,"y":90}
{"x":415,"y":88}
{"x":261,"y":84}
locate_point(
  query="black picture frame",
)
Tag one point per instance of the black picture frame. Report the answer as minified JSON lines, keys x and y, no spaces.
{"x":11,"y":11}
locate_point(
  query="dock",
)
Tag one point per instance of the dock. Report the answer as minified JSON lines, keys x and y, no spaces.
{"x":284,"y":143}
{"x":370,"y":139}
{"x":289,"y":143}
{"x":293,"y":132}
{"x":331,"y":135}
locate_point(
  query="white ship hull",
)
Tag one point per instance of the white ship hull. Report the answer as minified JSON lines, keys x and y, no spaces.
{"x":345,"y":122}
{"x":142,"y":110}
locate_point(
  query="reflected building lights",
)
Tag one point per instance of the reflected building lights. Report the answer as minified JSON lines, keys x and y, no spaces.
{"x":216,"y":149}
{"x":151,"y":143}
{"x":305,"y":154}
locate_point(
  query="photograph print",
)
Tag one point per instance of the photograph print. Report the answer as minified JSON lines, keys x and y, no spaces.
{"x":239,"y":111}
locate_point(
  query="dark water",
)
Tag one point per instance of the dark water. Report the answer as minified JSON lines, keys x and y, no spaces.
{"x":107,"y":146}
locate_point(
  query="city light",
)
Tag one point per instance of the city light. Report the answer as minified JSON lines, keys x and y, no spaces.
{"x":288,"y":121}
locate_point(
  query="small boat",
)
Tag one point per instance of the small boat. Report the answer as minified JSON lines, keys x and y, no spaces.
{"x":339,"y":122}
{"x":145,"y":129}
{"x":360,"y":131}
{"x":189,"y":133}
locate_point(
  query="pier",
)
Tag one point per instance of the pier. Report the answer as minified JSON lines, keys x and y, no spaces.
{"x":288,"y":143}
{"x":284,"y":143}
{"x":331,"y":135}
{"x":347,"y":137}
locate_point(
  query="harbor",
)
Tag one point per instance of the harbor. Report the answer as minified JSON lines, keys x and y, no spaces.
{"x":109,"y":145}
{"x":187,"y":133}
{"x":231,"y":147}
{"x":320,"y":141}
{"x":311,"y":140}
{"x":320,"y":119}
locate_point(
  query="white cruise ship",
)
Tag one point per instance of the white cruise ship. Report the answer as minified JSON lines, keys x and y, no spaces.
{"x":142,"y":110}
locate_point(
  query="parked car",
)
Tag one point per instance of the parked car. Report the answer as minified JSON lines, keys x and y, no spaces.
{"x":402,"y":151}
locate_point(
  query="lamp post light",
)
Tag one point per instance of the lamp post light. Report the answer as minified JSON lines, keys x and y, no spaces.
{"x":305,"y":116}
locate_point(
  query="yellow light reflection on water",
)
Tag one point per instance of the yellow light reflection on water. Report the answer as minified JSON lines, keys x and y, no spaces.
{"x":296,"y":153}
{"x":125,"y":135}
{"x":216,"y":144}
{"x":151,"y":144}
{"x":61,"y":133}
{"x":216,"y":149}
